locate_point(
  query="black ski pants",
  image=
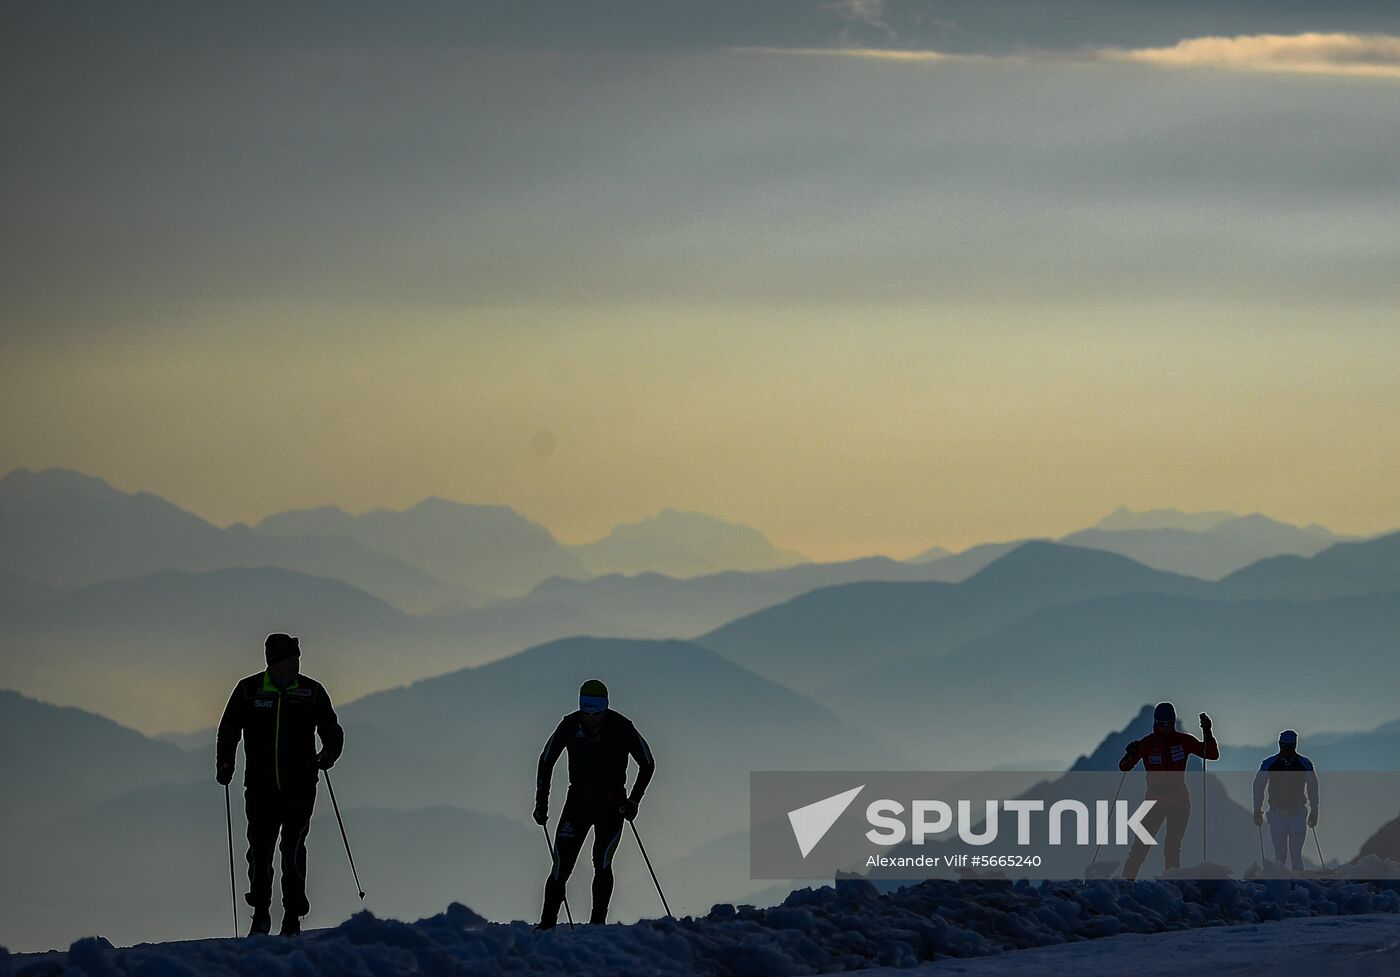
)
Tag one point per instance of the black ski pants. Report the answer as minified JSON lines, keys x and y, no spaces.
{"x":272,"y":811}
{"x":602,"y":815}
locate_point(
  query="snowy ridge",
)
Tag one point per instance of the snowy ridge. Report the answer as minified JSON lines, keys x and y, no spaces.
{"x":849,"y":927}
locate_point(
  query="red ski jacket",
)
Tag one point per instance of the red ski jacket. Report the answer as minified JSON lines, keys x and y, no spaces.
{"x":1164,"y":756}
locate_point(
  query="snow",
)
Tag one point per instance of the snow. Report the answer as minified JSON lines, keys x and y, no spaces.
{"x":1117,"y":927}
{"x":1354,"y":946}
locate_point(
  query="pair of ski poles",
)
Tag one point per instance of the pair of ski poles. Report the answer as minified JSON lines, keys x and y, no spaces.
{"x":643,"y":848}
{"x":228,"y":819}
{"x":1321,"y":862}
{"x":233,"y":885}
{"x":1205,"y":850}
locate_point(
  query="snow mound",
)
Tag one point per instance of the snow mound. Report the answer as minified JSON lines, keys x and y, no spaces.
{"x":846,"y":927}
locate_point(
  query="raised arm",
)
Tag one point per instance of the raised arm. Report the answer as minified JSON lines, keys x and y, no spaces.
{"x":1208,"y":749}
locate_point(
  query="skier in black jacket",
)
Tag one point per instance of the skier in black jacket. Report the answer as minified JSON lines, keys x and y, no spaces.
{"x":599,"y":742}
{"x":278,"y":713}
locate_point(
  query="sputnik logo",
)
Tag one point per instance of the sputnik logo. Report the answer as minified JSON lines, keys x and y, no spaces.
{"x":811,"y":823}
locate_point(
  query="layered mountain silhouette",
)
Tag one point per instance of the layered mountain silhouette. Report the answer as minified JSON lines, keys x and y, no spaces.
{"x":1375,"y":749}
{"x":708,"y":722}
{"x":488,"y":549}
{"x":60,"y":759}
{"x":683,"y":607}
{"x":70,"y":530}
{"x":683,"y":544}
{"x":815,"y":640}
{"x":1216,"y":547}
{"x":119,"y":647}
{"x":1364,"y":567}
{"x":1249,"y":663}
{"x":952,"y":567}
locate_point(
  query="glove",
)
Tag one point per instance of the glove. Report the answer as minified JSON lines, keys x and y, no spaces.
{"x":628,"y":809}
{"x":1258,"y":816}
{"x":223,"y":773}
{"x":1205,"y":725}
{"x":541,"y":813}
{"x":1133,"y":749}
{"x":323,"y":761}
{"x":1312,"y":818}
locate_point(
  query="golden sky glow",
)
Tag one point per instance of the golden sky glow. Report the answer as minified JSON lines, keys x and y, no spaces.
{"x":865,"y":304}
{"x":839,"y":434}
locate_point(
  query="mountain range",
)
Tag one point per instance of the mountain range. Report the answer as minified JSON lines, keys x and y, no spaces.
{"x":120,"y":646}
{"x":823,"y":636}
{"x":69,"y":530}
{"x":809,"y":626}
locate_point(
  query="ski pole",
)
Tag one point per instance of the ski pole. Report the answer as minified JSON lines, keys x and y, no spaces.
{"x":1320,"y":862}
{"x":553,"y":859}
{"x":1205,"y":789}
{"x":1205,"y":810}
{"x":343,"y":838}
{"x":1261,"y":846}
{"x":650,"y":869}
{"x":232,"y":886}
{"x":1110,"y":807}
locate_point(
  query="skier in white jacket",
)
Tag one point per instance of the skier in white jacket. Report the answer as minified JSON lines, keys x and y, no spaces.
{"x":1288,"y":775}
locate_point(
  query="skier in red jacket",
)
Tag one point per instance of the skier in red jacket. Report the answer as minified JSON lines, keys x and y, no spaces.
{"x":1163,"y":753}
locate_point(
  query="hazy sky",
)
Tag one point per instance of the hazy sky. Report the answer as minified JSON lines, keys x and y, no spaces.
{"x":593,"y":259}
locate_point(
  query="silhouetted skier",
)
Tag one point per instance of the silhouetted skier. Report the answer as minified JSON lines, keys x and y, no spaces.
{"x":599,"y":742}
{"x":278,"y":713}
{"x":1163,"y":754}
{"x":1288,"y":775}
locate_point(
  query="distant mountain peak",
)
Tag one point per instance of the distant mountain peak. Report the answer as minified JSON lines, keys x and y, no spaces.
{"x":1044,"y":555}
{"x":437,"y":503}
{"x":1124,"y":518}
{"x":930,"y":554}
{"x":61,"y":479}
{"x":1106,"y":755}
{"x":683,"y":543}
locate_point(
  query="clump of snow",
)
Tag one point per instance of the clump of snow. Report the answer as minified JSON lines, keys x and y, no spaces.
{"x":1368,"y":867}
{"x":816,"y":930}
{"x":1101,"y":870}
{"x":1201,"y":870}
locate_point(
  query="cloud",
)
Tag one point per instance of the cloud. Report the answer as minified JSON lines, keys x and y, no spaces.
{"x":869,"y":12}
{"x":1355,"y":55}
{"x":869,"y":53}
{"x":1366,"y":55}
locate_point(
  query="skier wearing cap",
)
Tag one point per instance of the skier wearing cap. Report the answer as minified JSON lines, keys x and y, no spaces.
{"x":1163,"y":753}
{"x":1288,"y":775}
{"x":278,"y":713}
{"x":599,"y":741}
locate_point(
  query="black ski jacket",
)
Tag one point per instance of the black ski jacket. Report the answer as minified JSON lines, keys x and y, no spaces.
{"x":278,"y":728}
{"x":597,"y":767}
